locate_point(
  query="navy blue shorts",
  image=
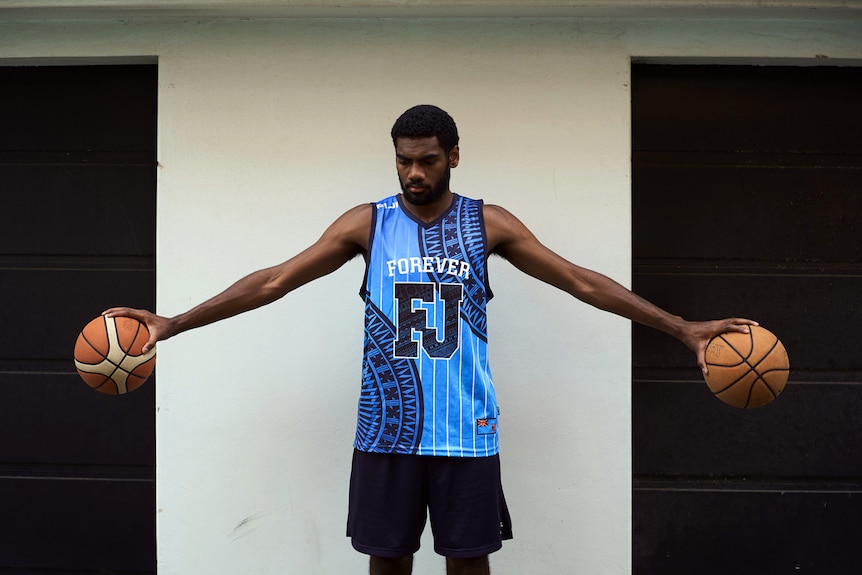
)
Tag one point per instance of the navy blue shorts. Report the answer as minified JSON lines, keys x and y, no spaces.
{"x":392,"y":495}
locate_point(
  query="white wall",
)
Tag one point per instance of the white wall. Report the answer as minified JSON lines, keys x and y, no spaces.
{"x":268,"y":130}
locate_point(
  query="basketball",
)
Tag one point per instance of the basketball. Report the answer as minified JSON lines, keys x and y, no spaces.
{"x":747,"y":369}
{"x":108,"y":355}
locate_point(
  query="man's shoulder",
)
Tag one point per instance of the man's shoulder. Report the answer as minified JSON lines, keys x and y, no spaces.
{"x":502,"y":227}
{"x":495,"y":211}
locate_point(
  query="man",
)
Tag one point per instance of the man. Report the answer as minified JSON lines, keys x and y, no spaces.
{"x":426,"y":437}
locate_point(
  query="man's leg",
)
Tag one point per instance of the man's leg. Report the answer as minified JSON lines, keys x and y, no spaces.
{"x":387,"y":510}
{"x":391,"y":565}
{"x":468,"y":512}
{"x":471,"y":566}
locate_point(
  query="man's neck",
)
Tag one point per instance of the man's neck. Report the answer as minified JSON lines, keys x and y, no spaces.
{"x":430,"y":212}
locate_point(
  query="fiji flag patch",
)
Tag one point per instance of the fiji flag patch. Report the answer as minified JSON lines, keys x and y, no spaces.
{"x":486,"y":426}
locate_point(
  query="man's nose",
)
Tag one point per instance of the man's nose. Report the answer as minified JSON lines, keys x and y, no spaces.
{"x":416,"y":173}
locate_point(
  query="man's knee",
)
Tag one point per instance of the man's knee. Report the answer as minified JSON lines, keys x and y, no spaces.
{"x":391,"y":565}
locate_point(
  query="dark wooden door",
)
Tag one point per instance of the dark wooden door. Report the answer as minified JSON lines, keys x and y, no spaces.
{"x":77,"y":235}
{"x":747,"y":201}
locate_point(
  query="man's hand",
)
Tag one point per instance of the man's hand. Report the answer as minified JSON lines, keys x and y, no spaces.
{"x":158,"y":326}
{"x":697,"y":334}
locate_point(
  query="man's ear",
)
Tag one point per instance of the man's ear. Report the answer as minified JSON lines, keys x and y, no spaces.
{"x":454,"y":156}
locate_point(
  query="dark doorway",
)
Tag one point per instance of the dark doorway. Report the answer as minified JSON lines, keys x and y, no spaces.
{"x":77,"y":235}
{"x":747,"y":201}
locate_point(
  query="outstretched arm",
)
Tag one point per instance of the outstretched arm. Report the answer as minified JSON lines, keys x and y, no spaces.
{"x":346,"y":238}
{"x":509,"y":238}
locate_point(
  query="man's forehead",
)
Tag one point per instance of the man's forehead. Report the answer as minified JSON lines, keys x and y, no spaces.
{"x":418,"y":146}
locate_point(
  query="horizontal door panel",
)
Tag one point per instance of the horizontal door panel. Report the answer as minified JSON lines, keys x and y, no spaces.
{"x":52,"y":305}
{"x":739,"y":213}
{"x":816,"y":317}
{"x":78,"y":524}
{"x":746,"y":108}
{"x":55,"y":419}
{"x":745,"y":533}
{"x":78,"y":107}
{"x":680,"y":429}
{"x":78,"y":210}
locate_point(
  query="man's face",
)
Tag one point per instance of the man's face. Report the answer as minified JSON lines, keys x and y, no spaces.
{"x":423,"y":169}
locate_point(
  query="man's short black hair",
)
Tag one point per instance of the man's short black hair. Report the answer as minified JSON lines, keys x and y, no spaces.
{"x":425,"y":121}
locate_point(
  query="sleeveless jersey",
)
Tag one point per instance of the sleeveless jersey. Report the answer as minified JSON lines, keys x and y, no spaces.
{"x":426,"y":383}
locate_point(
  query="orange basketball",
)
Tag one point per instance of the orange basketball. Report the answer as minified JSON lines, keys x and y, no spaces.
{"x":747,"y":369}
{"x":108,"y":354}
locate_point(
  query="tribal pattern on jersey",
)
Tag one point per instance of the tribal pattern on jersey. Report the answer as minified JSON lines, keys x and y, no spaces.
{"x":426,"y":383}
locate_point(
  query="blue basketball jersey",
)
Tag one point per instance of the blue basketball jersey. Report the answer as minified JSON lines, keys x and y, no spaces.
{"x":426,"y":382}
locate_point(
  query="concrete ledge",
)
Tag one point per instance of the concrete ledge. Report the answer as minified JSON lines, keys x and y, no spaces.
{"x":90,"y":9}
